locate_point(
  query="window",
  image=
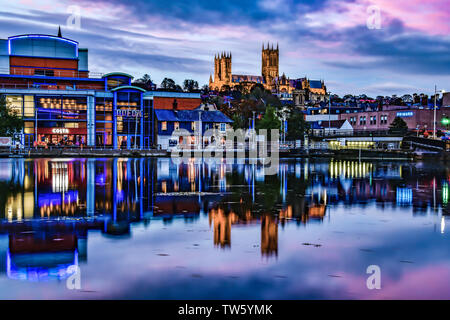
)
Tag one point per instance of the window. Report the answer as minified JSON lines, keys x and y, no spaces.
{"x":40,"y":72}
{"x":73,"y":125}
{"x":28,"y":127}
{"x":383,"y":119}
{"x":176,"y":125}
{"x":14,"y":104}
{"x":223,"y":127}
{"x":28,"y":108}
{"x":373,"y":120}
{"x":362,"y":121}
{"x":193,"y":125}
{"x":164,"y":126}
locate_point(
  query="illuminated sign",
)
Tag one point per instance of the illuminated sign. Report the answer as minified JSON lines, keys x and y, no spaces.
{"x":405,"y":114}
{"x":60,"y":130}
{"x":128,"y":113}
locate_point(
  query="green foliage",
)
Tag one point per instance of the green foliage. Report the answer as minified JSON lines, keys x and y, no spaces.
{"x":190,"y":85}
{"x":238,"y":121}
{"x":10,"y":123}
{"x":398,"y":126}
{"x":170,"y":85}
{"x":297,"y":126}
{"x":269,"y":120}
{"x":145,"y":82}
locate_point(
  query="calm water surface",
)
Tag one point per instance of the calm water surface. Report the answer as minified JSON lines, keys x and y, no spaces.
{"x":154,"y":229}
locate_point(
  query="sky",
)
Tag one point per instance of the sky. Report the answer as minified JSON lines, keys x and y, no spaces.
{"x":375,"y":47}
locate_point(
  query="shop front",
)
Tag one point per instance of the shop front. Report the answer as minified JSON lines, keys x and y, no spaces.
{"x":61,"y":137}
{"x":128,"y":126}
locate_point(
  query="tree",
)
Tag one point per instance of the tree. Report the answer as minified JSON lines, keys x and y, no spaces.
{"x":10,"y":122}
{"x":269,"y":120}
{"x":238,"y":122}
{"x":205,"y":89}
{"x":398,"y":126}
{"x":168,"y":84}
{"x":145,"y":82}
{"x":190,"y":85}
{"x":297,"y":127}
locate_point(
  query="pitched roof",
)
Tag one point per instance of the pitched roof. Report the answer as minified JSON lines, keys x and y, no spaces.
{"x":315,"y":84}
{"x":191,"y":115}
{"x":325,"y":124}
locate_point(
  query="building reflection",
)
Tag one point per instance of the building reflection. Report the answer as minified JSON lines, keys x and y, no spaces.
{"x":47,"y":206}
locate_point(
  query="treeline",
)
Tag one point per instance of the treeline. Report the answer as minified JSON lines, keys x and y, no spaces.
{"x":189,"y":85}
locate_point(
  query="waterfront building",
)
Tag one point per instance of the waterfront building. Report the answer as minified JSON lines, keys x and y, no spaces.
{"x":417,"y":118}
{"x":196,"y":122}
{"x":46,"y":81}
{"x":331,"y":127}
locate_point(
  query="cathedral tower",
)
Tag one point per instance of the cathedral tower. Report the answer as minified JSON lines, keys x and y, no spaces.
{"x":222,"y":70}
{"x":270,"y":62}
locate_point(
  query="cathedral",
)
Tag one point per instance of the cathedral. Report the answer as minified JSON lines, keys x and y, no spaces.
{"x":270,"y":79}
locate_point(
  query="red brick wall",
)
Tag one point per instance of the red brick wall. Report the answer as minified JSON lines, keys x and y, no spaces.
{"x":61,"y":67}
{"x":420,"y":117}
{"x":183,"y":103}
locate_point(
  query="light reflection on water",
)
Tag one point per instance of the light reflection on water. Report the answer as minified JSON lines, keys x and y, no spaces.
{"x":150,"y":228}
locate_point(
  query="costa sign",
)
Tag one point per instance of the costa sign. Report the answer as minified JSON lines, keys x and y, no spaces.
{"x":60,"y":130}
{"x":128,"y":113}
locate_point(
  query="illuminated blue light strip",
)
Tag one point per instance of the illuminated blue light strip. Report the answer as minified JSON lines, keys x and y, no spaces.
{"x":42,"y":36}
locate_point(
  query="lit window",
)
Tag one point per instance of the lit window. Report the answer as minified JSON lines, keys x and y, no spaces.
{"x":164,"y":126}
{"x":193,"y":125}
{"x":176,"y":125}
{"x":14,"y":104}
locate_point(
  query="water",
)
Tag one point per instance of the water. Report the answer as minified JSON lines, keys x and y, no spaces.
{"x":153,"y":229}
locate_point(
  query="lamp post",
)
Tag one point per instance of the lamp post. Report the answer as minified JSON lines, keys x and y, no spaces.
{"x":35,"y":126}
{"x":135,"y":130}
{"x":434,"y":110}
{"x":200,"y":133}
{"x":329,"y":112}
{"x":254,"y":130}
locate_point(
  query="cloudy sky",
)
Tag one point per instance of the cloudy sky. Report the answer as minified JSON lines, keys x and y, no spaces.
{"x":407,"y":50}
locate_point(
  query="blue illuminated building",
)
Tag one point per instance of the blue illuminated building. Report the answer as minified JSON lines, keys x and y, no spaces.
{"x":46,"y":80}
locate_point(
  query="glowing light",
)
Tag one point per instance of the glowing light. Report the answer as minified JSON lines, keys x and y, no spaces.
{"x":442,"y":224}
{"x":45,"y":37}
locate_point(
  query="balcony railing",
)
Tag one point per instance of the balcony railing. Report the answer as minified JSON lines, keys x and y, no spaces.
{"x":50,"y":73}
{"x":47,"y":87}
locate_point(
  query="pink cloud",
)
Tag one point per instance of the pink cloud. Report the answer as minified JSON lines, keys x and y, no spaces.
{"x":430,"y":282}
{"x":432,"y":16}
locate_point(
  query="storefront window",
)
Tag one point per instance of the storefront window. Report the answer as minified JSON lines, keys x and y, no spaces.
{"x":29,"y":127}
{"x":128,"y":112}
{"x":14,"y":104}
{"x":28,"y":108}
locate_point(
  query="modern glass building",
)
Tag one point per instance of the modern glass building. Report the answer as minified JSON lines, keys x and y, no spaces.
{"x":45,"y":80}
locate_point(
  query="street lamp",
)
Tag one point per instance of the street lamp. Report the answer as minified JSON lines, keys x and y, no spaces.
{"x":329,"y":112}
{"x":434,"y":110}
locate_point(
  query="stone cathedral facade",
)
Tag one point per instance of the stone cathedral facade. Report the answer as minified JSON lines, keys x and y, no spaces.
{"x":270,"y":78}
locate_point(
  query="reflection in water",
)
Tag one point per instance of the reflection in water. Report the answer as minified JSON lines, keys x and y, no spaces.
{"x":48,"y":206}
